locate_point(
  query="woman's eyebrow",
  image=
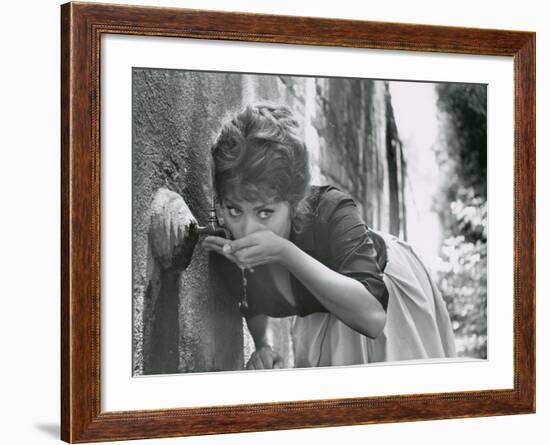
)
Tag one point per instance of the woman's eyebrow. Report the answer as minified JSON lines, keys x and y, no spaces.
{"x":258,"y":207}
{"x":231,"y":204}
{"x":265,"y":204}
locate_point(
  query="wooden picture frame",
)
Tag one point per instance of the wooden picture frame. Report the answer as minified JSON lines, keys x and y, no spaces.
{"x":82,"y":25}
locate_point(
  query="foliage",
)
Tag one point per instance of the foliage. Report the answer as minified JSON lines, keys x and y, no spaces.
{"x":463,"y":280}
{"x":462,"y":206}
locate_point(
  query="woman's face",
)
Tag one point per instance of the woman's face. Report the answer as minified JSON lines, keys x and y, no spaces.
{"x":244,"y":217}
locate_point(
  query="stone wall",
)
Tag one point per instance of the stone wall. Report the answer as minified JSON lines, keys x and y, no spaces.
{"x":182,"y":322}
{"x":349,"y":130}
{"x":353,"y":142}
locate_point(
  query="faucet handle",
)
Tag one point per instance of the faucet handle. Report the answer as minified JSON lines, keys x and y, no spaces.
{"x":213,"y":226}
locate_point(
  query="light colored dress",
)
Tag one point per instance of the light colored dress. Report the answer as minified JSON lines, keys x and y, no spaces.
{"x":417,"y":322}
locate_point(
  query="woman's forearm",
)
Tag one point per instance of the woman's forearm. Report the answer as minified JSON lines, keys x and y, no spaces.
{"x":343,"y":296}
{"x":265,"y":356}
{"x":258,"y":325}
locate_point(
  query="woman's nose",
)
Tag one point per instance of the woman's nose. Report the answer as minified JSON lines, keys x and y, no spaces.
{"x":251,"y":225}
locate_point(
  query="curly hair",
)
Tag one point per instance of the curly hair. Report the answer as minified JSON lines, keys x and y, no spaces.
{"x":259,"y":156}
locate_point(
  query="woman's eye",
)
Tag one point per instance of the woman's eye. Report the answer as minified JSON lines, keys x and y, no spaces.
{"x":264,"y":214}
{"x":233,"y":211}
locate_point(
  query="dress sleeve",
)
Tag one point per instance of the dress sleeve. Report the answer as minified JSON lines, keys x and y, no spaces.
{"x":352,"y":249}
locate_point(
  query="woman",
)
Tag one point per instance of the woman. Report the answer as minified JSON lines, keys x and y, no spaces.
{"x":359,"y":296}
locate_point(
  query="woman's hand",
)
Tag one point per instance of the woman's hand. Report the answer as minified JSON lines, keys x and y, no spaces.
{"x":221,"y":247}
{"x":258,"y":248}
{"x":265,"y":358}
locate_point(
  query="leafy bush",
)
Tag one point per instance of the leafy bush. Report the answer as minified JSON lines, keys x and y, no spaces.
{"x":463,"y":280}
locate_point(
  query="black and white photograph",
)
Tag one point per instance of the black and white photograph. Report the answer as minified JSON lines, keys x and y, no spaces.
{"x":275,"y":222}
{"x":287,"y":221}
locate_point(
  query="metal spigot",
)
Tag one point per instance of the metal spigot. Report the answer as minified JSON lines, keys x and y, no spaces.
{"x":213,"y":225}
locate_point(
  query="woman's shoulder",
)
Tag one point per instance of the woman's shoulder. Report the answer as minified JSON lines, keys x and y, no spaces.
{"x":342,"y":229}
{"x":325,"y":199}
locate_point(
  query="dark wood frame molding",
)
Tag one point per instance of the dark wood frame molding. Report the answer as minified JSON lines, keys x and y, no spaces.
{"x":82,"y":25}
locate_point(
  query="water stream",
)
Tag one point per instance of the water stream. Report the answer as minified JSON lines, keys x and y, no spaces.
{"x":244,"y":303}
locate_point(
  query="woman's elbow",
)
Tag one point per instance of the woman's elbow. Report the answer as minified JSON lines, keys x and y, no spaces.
{"x":374,"y":318}
{"x":377,"y":324}
{"x":374,"y":322}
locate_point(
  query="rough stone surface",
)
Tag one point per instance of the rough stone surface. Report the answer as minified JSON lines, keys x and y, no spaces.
{"x":175,"y":118}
